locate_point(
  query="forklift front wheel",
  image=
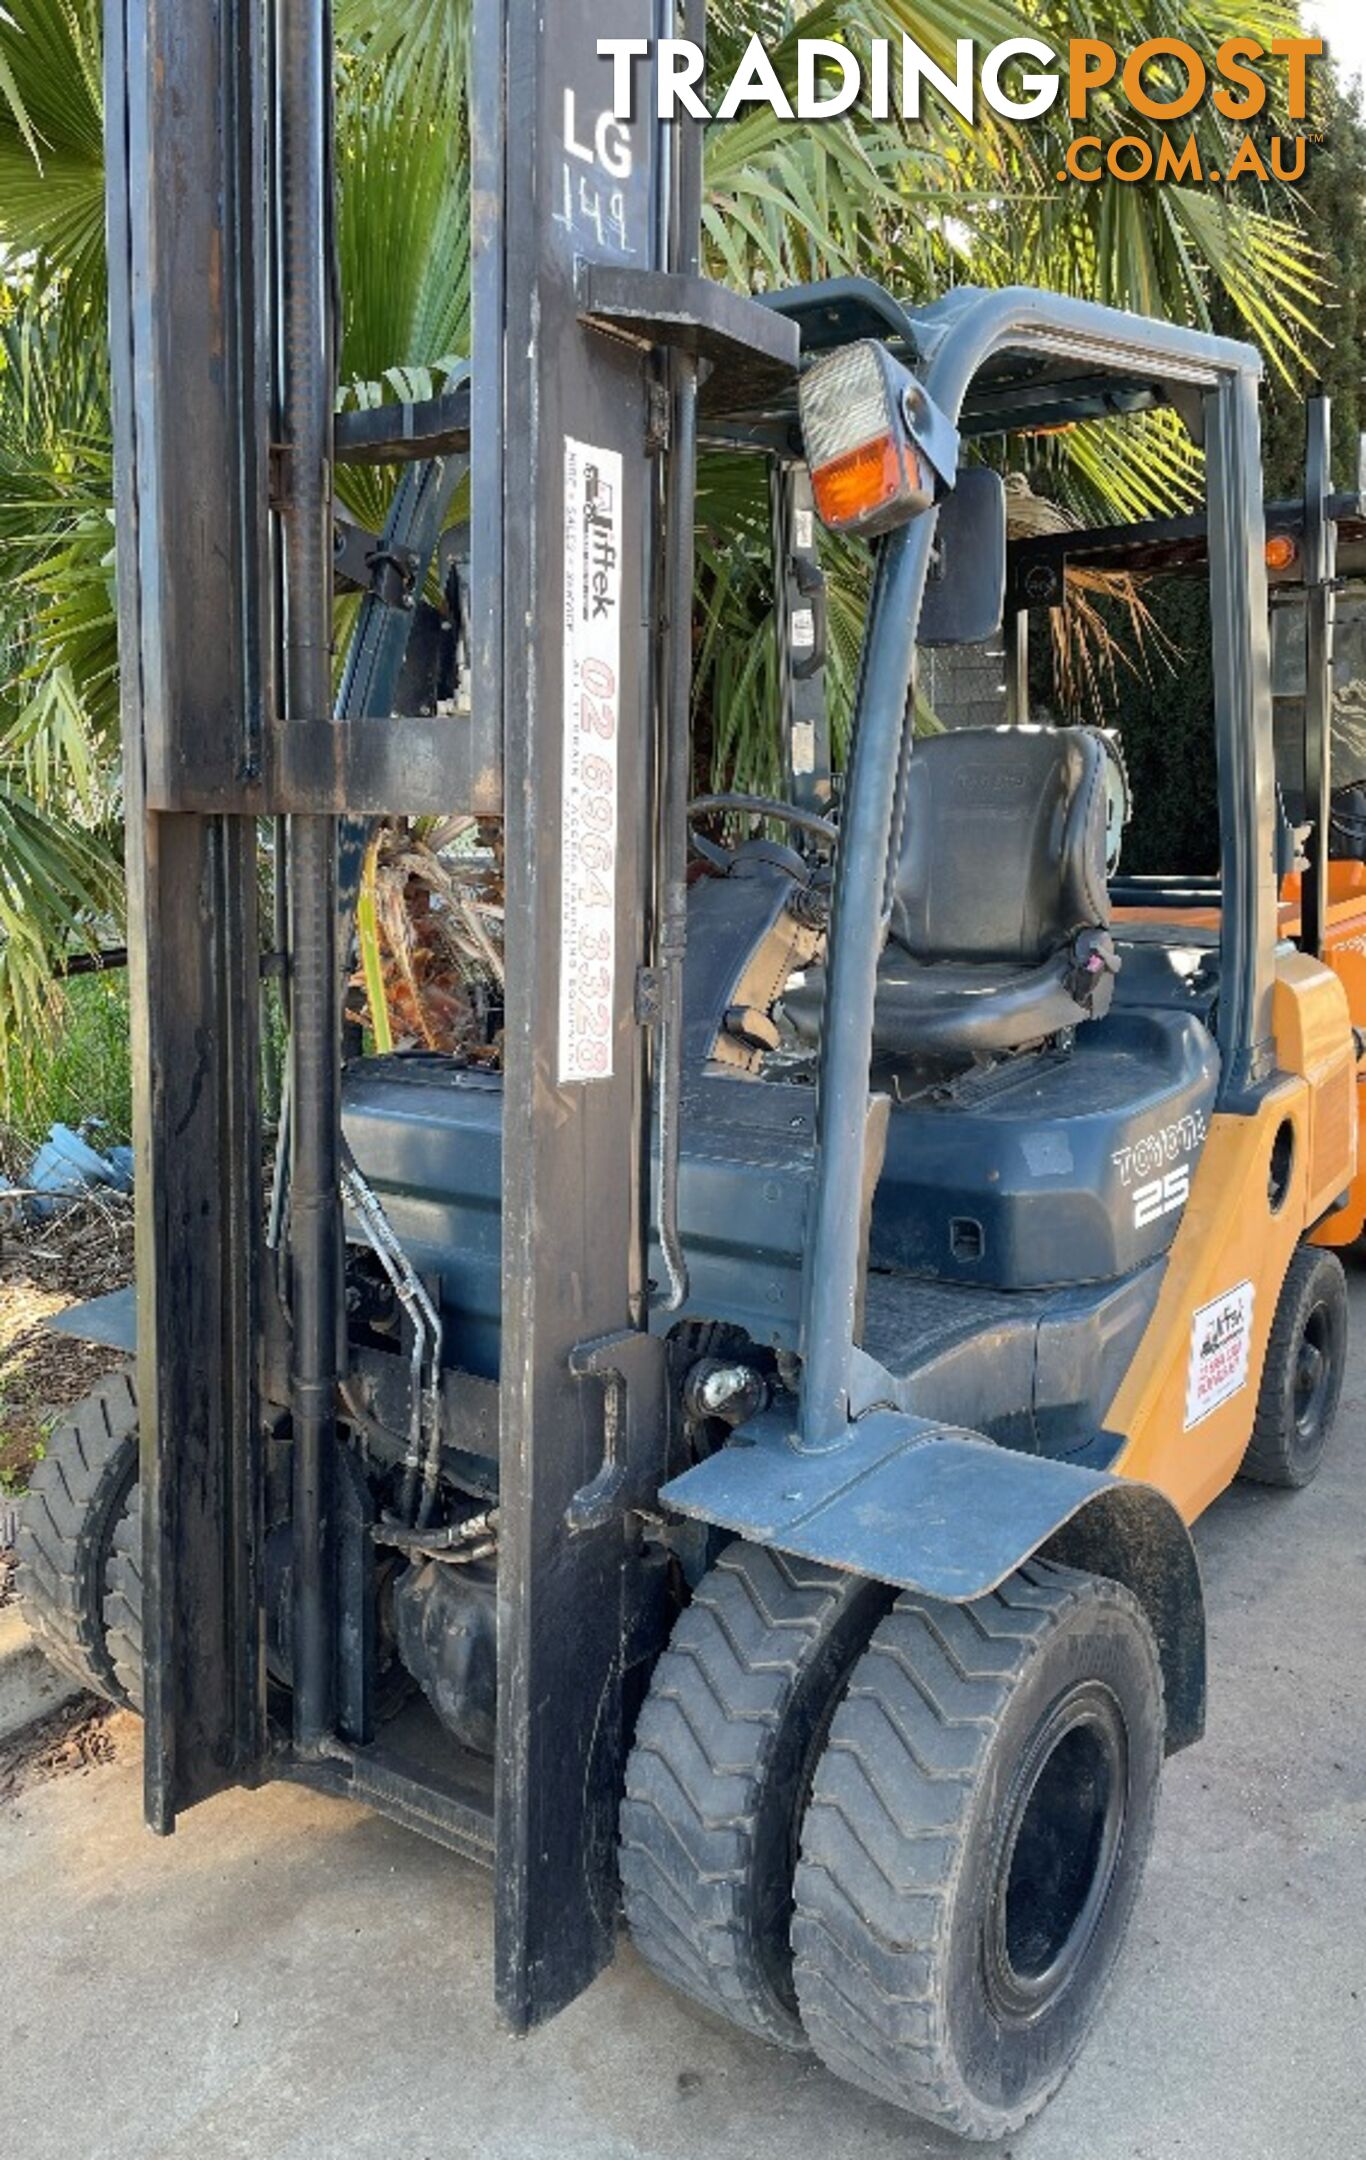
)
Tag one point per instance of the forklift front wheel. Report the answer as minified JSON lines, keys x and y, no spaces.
{"x":977,"y":1834}
{"x":123,"y":1602}
{"x":81,"y":1490}
{"x":719,"y":1775}
{"x":1302,"y":1377}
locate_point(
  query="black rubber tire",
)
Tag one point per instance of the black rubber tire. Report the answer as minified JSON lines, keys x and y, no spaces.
{"x":915,"y":1829}
{"x":71,"y":1512}
{"x":1290,"y":1433}
{"x":717,"y":1780}
{"x":123,"y":1602}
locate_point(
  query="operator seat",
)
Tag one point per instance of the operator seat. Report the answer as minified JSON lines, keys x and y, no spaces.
{"x":1001,"y":915}
{"x":999,"y":932}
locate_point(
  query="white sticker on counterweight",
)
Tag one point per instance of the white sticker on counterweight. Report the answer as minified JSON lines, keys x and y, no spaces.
{"x":1220,"y":1352}
{"x":592,"y":684}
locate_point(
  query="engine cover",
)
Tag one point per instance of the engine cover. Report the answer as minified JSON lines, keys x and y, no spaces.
{"x":1071,"y":1167}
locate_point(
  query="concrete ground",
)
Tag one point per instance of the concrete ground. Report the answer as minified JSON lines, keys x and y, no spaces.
{"x":294,"y":1979}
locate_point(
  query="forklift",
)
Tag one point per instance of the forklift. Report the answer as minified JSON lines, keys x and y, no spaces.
{"x":730,"y":1460}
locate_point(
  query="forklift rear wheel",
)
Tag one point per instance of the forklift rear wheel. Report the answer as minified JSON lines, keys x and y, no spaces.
{"x":81,"y":1490}
{"x":978,"y":1829}
{"x":1302,"y":1376}
{"x":717,"y":1781}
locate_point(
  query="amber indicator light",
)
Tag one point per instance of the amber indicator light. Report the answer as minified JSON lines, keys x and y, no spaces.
{"x":863,"y":481}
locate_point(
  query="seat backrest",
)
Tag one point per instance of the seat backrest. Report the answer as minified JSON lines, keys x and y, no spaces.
{"x":1003,"y":855}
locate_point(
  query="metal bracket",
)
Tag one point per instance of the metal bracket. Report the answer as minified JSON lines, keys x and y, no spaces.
{"x":632,"y":1366}
{"x":689,"y":314}
{"x":393,"y":576}
{"x":933,"y":434}
{"x":414,"y":765}
{"x":657,"y":419}
{"x":360,"y":561}
{"x":352,"y":546}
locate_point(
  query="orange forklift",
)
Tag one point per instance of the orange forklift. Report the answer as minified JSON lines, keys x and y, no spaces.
{"x":730,"y":1463}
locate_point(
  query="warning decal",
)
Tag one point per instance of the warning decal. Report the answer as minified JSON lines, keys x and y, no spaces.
{"x":592,"y":682}
{"x":1221,"y":1350}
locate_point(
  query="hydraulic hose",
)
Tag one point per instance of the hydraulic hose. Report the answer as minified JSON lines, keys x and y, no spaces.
{"x":673,"y":940}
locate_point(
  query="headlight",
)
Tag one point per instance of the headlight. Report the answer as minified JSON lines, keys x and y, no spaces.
{"x":867,"y":472}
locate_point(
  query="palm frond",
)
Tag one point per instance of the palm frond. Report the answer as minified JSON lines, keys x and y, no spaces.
{"x":1090,"y":654}
{"x":51,"y":151}
{"x":416,"y":53}
{"x":58,"y":882}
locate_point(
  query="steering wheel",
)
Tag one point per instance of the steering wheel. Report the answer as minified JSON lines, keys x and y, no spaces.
{"x":766,"y":806}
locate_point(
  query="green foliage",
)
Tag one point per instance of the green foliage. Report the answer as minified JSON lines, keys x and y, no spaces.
{"x":1331,"y":199}
{"x":403,"y":228}
{"x":60,"y":875}
{"x":52,"y":150}
{"x":58,"y":657}
{"x":83,"y":1073}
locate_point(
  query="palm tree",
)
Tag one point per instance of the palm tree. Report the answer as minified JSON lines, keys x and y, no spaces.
{"x":60,"y":880}
{"x":923,"y":205}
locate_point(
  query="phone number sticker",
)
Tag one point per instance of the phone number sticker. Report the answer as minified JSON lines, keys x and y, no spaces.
{"x":592,"y":685}
{"x":1220,"y":1352}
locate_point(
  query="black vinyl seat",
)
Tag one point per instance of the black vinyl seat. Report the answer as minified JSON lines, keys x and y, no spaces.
{"x":1000,"y":928}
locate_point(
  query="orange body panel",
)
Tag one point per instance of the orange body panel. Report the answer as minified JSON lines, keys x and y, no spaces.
{"x":1233,"y":1246}
{"x":1344,"y":949}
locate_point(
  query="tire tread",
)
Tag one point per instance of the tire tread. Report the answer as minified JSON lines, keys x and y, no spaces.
{"x":884,"y":1835}
{"x":72,"y":1508}
{"x":707,"y":1734}
{"x":123,"y":1603}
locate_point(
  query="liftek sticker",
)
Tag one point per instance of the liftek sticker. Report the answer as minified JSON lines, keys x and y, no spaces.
{"x":1221,"y":1352}
{"x":592,"y":708}
{"x":803,"y":747}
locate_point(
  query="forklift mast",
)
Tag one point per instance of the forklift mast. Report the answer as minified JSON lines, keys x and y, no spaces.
{"x":579,"y":430}
{"x":1320,"y":584}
